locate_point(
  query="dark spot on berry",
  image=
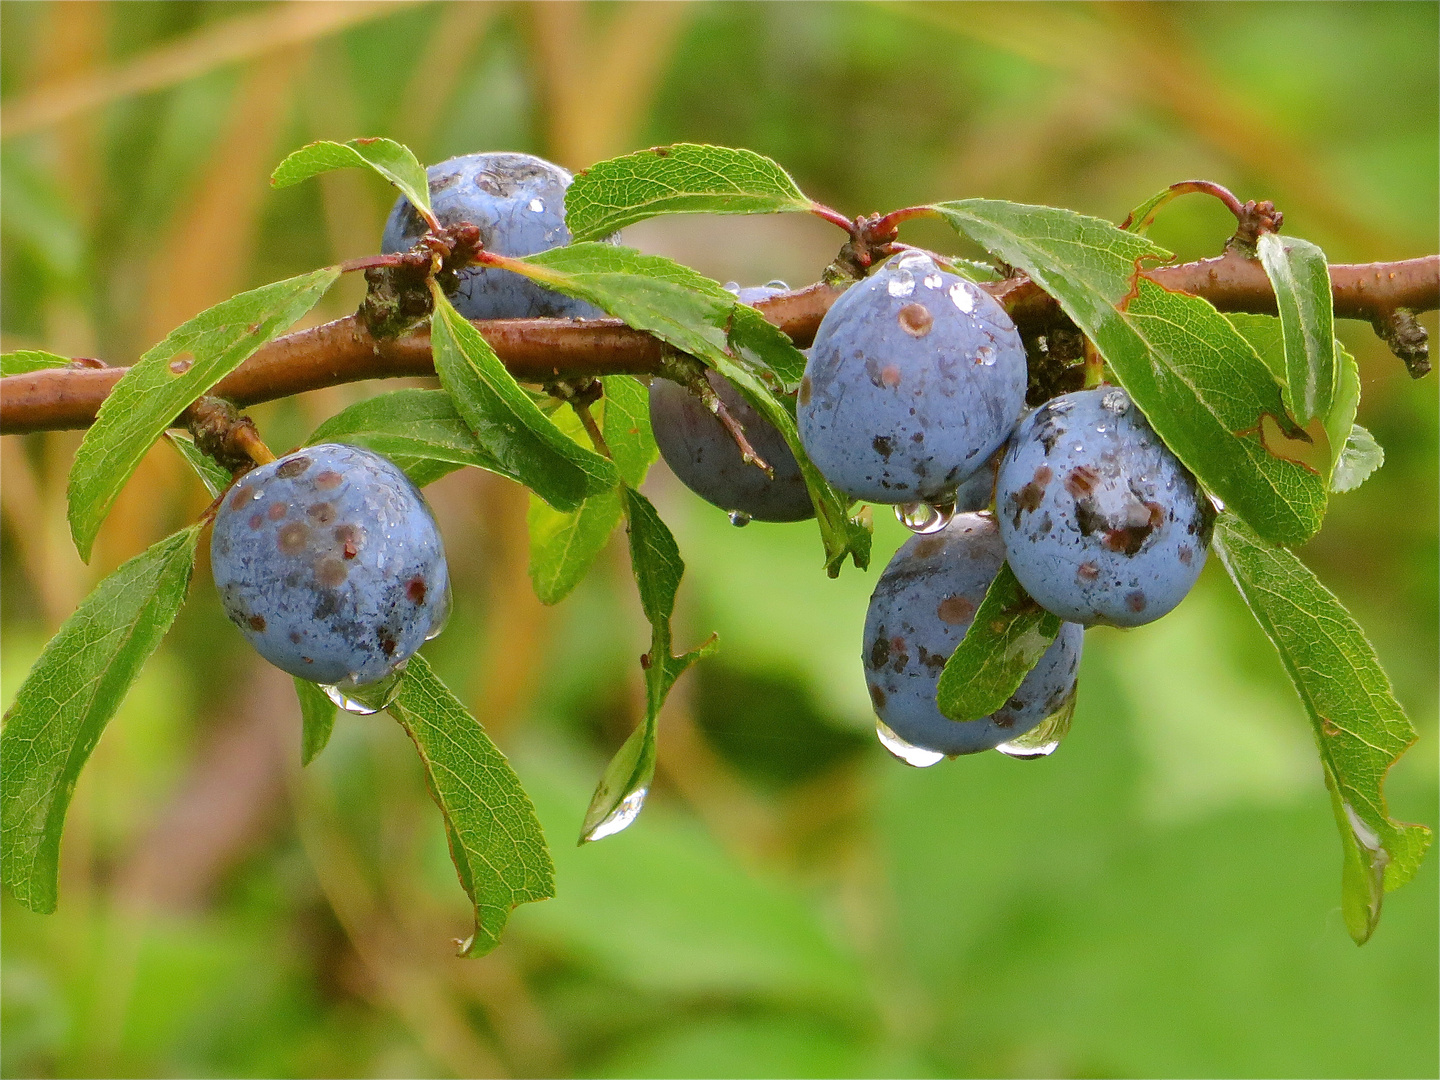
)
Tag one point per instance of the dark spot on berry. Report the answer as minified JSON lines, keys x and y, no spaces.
{"x":387,"y":643}
{"x":955,"y":610}
{"x":890,"y":376}
{"x":880,"y":651}
{"x":1135,"y":601}
{"x":321,"y":513}
{"x":415,"y":590}
{"x":915,"y":320}
{"x":293,"y":537}
{"x":1087,"y":571}
{"x":897,"y":649}
{"x":328,"y":479}
{"x":277,"y":511}
{"x":934,"y":661}
{"x":1082,"y":481}
{"x":883,"y":446}
{"x":804,"y":396}
{"x":918,"y":438}
{"x":240,"y":498}
{"x":877,"y":696}
{"x":257,"y":623}
{"x":1129,"y":540}
{"x":294,"y":637}
{"x":256,"y":520}
{"x":1005,"y":718}
{"x":1185,"y":554}
{"x":930,"y":545}
{"x":1028,"y":498}
{"x":331,"y":572}
{"x":288,"y":470}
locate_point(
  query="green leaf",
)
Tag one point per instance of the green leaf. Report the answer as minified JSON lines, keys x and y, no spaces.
{"x":1300,"y":277}
{"x":685,"y":178}
{"x":1359,"y":727}
{"x":69,"y":696}
{"x":391,"y":160}
{"x":563,"y":546}
{"x":626,"y":427}
{"x":213,"y":475}
{"x":509,"y":425}
{"x":1199,"y":383}
{"x":698,"y":317}
{"x":417,"y":429}
{"x":167,"y":379}
{"x":1266,"y":337}
{"x":1009,"y":635}
{"x":22,"y":360}
{"x":656,"y":561}
{"x":1139,"y":220}
{"x":317,"y":719}
{"x":1361,"y":456}
{"x":496,"y":842}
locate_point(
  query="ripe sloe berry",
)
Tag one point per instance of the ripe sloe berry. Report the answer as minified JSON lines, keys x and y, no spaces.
{"x":702,"y":454}
{"x":518,"y":203}
{"x":915,"y":378}
{"x":922,"y":606}
{"x":1101,"y":522}
{"x":329,"y":562}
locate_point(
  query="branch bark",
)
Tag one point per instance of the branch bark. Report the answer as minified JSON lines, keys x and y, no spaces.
{"x":543,"y":350}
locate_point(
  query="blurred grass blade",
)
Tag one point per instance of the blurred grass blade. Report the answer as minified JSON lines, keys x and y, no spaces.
{"x":496,"y":842}
{"x":317,"y":719}
{"x":212,"y":474}
{"x":69,"y":696}
{"x":508,"y":424}
{"x":384,"y":156}
{"x":22,"y":360}
{"x":1198,"y":382}
{"x":685,"y":178}
{"x":1359,"y":727}
{"x":698,"y":317}
{"x":1300,"y":277}
{"x":655,"y":560}
{"x":167,"y":379}
{"x":1007,"y":638}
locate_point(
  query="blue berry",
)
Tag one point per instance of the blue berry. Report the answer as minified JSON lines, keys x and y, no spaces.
{"x":702,"y":454}
{"x":922,"y":606}
{"x":329,"y":562}
{"x":518,"y":203}
{"x":1101,"y":522}
{"x":915,"y":378}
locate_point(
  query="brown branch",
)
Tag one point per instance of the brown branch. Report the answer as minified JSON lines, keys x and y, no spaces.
{"x":543,"y":350}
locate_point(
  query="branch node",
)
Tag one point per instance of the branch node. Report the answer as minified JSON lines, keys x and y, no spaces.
{"x":1407,"y":339}
{"x":225,"y":435}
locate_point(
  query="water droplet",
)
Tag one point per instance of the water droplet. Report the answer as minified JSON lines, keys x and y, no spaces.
{"x":621,"y":817}
{"x":901,"y":283}
{"x":441,"y":616}
{"x":732,"y":286}
{"x":933,"y":281}
{"x":962,"y":297}
{"x":369,"y":698}
{"x":917,"y":756}
{"x":1115,"y":401}
{"x":1059,"y":407}
{"x":739,"y":518}
{"x":925,"y":518}
{"x":985,"y":356}
{"x":916,"y":261}
{"x":536,"y":206}
{"x":777,"y":284}
{"x":1044,"y":738}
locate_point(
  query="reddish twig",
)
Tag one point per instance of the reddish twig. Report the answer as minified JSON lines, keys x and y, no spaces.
{"x":543,"y":350}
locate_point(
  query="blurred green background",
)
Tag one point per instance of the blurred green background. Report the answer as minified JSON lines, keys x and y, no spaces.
{"x":1160,"y":898}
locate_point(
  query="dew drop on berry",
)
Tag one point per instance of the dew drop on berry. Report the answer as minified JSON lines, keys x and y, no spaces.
{"x":917,"y":756}
{"x":924,"y":518}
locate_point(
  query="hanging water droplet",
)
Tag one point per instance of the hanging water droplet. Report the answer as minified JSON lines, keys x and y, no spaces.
{"x":536,"y":206}
{"x":370,"y":698}
{"x":925,"y":518}
{"x":621,"y":817}
{"x":739,"y":518}
{"x":917,"y":756}
{"x":732,"y":286}
{"x":962,"y":297}
{"x":901,"y":283}
{"x":777,"y":284}
{"x":442,"y":614}
{"x":1044,"y":738}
